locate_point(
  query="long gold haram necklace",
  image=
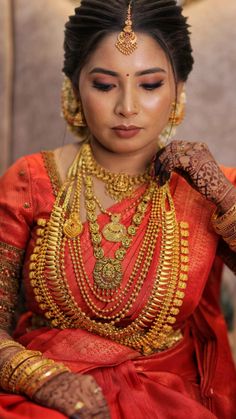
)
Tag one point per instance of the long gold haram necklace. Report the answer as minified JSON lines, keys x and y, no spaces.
{"x":133,"y":285}
{"x":107,"y":272}
{"x":153,"y":328}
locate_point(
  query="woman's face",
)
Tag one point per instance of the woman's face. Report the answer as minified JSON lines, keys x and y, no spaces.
{"x":127,"y":99}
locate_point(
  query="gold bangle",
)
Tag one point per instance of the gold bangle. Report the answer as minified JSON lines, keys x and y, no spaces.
{"x":8,"y":343}
{"x":13,"y":363}
{"x":32,"y":370}
{"x":42,"y":379}
{"x":12,"y":385}
{"x":224,"y":220}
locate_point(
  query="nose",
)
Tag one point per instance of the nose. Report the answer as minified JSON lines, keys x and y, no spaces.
{"x":127,"y":103}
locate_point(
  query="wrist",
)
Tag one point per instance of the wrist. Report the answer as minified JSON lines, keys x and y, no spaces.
{"x":229,"y":199}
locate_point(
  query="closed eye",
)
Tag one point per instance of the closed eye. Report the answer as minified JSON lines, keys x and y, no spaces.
{"x":152,"y":86}
{"x":104,"y":87}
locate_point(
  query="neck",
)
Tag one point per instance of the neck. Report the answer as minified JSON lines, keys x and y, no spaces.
{"x":132,"y":163}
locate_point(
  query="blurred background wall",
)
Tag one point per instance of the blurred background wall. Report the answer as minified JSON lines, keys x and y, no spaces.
{"x":31,"y":58}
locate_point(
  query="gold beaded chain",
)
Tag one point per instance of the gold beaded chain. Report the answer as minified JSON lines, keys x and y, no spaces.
{"x":139,"y":270}
{"x":153,"y":328}
{"x":118,"y":185}
{"x":107,"y":272}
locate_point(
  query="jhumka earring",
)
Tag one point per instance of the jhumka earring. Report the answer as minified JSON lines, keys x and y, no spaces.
{"x":127,"y":39}
{"x":178,"y":110}
{"x":71,"y":107}
{"x":176,"y":117}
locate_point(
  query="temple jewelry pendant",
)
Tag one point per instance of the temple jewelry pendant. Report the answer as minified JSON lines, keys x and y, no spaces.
{"x":114,"y":231}
{"x":120,"y":187}
{"x":107,"y":274}
{"x":73,"y":227}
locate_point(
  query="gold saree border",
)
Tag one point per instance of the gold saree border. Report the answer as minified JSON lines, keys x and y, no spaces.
{"x":52,"y":170}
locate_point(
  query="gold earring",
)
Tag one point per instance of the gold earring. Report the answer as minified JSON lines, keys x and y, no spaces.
{"x":71,"y":107}
{"x":175,"y":119}
{"x":178,"y":110}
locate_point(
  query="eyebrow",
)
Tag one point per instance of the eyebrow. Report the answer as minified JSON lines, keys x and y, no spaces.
{"x":99,"y":70}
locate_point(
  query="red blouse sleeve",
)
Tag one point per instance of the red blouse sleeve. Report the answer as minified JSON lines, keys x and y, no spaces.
{"x":16,"y":214}
{"x":16,"y":206}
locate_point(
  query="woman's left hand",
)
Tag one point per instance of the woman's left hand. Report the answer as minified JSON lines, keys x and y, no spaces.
{"x":195,"y":163}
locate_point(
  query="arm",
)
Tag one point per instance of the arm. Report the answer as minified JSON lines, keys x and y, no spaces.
{"x":196,"y":164}
{"x":23,"y":371}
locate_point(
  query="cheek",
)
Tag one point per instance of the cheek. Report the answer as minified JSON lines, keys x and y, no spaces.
{"x":159,"y":106}
{"x":93,"y":104}
{"x":93,"y":107}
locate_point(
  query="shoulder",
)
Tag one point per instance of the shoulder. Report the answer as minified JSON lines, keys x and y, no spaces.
{"x":64,"y":157}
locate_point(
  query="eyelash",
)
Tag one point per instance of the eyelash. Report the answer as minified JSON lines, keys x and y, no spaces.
{"x":107,"y":87}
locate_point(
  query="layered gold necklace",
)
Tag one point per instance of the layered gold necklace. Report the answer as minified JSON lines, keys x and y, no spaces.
{"x":109,"y":294}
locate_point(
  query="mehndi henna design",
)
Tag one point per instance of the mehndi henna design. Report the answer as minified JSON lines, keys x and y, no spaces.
{"x":197,"y":165}
{"x":65,"y":391}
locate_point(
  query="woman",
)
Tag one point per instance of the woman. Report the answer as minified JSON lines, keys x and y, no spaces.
{"x":118,"y":237}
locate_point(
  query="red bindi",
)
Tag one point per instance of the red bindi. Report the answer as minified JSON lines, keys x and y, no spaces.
{"x":127,"y":75}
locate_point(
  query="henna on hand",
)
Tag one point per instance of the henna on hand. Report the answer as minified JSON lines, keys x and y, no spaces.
{"x":67,"y":390}
{"x":195,"y":163}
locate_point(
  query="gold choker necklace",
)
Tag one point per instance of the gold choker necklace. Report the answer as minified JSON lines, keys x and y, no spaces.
{"x":118,"y":185}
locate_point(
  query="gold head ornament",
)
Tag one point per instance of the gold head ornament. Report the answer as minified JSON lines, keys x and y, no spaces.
{"x":127,"y":39}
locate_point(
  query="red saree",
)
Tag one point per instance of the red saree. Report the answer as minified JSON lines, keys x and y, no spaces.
{"x":195,"y":378}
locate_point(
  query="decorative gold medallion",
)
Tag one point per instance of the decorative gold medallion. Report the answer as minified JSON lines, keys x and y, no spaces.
{"x":114,"y":231}
{"x":107,"y":274}
{"x":120,"y":187}
{"x":73,"y":226}
{"x":127,"y":39}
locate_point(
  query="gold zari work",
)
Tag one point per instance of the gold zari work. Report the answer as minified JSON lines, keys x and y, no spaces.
{"x":10,"y":265}
{"x":153,"y":329}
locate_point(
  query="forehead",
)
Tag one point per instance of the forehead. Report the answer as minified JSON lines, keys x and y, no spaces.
{"x":147,"y":55}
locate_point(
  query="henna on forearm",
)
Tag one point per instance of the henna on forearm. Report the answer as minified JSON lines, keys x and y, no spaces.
{"x":197,"y":165}
{"x":67,"y":390}
{"x":228,"y":201}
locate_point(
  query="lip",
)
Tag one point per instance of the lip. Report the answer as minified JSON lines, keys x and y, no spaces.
{"x":126,"y":131}
{"x":126,"y":127}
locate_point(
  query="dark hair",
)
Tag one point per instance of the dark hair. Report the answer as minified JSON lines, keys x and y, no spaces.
{"x":94,"y":19}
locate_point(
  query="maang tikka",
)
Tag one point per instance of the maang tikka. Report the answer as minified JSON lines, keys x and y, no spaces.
{"x":127,"y":39}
